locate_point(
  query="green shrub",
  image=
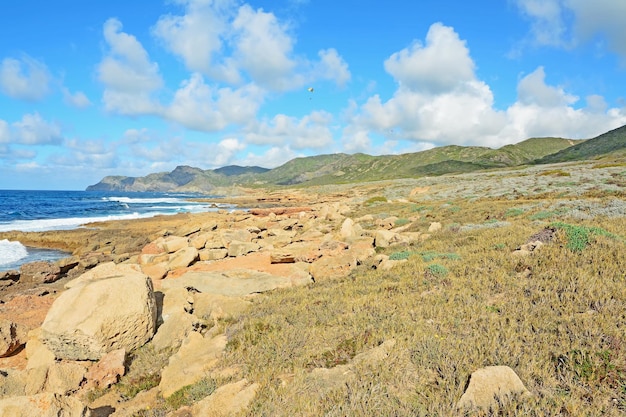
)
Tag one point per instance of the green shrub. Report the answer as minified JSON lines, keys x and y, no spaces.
{"x":436,"y":271}
{"x":512,"y":212}
{"x":578,"y":237}
{"x":401,"y":222}
{"x":399,"y":256}
{"x":190,"y":394}
{"x":431,"y":255}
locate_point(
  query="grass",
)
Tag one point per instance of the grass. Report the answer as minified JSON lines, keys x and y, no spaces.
{"x":457,"y":304}
{"x":191,"y":393}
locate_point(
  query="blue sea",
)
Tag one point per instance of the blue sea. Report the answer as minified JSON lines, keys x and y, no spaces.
{"x":35,"y":211}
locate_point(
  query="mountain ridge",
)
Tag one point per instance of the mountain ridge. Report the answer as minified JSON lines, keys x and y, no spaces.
{"x":359,"y":167}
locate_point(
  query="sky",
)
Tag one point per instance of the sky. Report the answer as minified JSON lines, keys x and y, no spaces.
{"x":96,"y":88}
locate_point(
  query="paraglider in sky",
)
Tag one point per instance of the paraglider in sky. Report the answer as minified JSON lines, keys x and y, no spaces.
{"x":310,"y":89}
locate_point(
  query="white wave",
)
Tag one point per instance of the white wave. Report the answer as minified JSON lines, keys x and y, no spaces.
{"x":11,"y":252}
{"x":129,"y":200}
{"x":74,"y":222}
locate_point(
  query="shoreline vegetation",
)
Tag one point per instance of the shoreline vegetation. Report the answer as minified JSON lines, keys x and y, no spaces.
{"x":404,"y":297}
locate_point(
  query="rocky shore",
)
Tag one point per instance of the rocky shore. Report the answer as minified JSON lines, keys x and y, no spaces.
{"x":164,"y":283}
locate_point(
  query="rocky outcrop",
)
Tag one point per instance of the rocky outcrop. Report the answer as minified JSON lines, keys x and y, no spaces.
{"x":101,"y":315}
{"x":12,"y":337}
{"x":43,"y":405}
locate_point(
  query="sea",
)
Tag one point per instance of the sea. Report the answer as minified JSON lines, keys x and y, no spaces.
{"x":36,"y":211}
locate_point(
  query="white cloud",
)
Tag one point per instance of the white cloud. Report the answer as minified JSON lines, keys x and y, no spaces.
{"x":200,"y":106}
{"x":263,"y":49}
{"x":225,"y":151}
{"x":532,"y":89}
{"x":547,"y":24}
{"x":309,"y":132}
{"x":198,"y":37}
{"x":441,"y":65}
{"x":129,"y":77}
{"x":439,"y":100}
{"x":567,"y":23}
{"x":33,"y":130}
{"x":25,"y":79}
{"x":77,"y":99}
{"x":601,"y":16}
{"x":332,"y":67}
{"x":5,"y":133}
{"x":272,"y":158}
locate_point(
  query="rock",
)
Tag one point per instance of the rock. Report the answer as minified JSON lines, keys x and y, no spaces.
{"x":213,"y":254}
{"x":96,"y":317}
{"x":41,"y":272}
{"x":64,"y":377}
{"x":12,"y":337}
{"x":434,"y":227}
{"x":332,"y":267}
{"x":237,"y":248}
{"x":36,"y":352}
{"x":489,"y":383}
{"x":194,"y":359}
{"x":156,"y":271}
{"x":11,"y":276}
{"x":104,"y":270}
{"x":173,"y":331}
{"x":173,"y":244}
{"x":214,"y":306}
{"x":387,"y":238}
{"x":234,"y":283}
{"x":108,"y":370}
{"x":43,"y":405}
{"x":182,"y":258}
{"x":228,"y":400}
{"x":237,"y":235}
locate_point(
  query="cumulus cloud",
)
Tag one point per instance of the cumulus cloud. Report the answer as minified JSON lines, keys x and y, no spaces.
{"x":197,"y":37}
{"x":237,"y":44}
{"x":440,"y":65}
{"x":129,"y":77}
{"x":34,"y":130}
{"x":272,"y":158}
{"x":439,"y":100}
{"x":309,"y":132}
{"x":5,"y":133}
{"x":203,"y":107}
{"x":567,"y":23}
{"x":77,"y":99}
{"x":24,"y":79}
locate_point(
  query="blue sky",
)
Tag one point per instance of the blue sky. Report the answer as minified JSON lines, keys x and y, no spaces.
{"x":89,"y":89}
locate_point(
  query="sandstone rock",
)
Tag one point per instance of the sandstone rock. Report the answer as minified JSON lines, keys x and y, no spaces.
{"x":173,"y":331}
{"x":237,"y":282}
{"x":228,"y":400}
{"x":489,"y":383}
{"x":182,"y":258}
{"x":238,"y":235}
{"x":237,"y":248}
{"x":12,"y":337}
{"x":96,"y":317}
{"x":43,"y":405}
{"x":173,"y":244}
{"x":108,"y":370}
{"x":332,"y":267}
{"x":434,"y":227}
{"x":194,"y":359}
{"x":387,"y":238}
{"x":156,"y":271}
{"x":41,"y":272}
{"x":37,"y":353}
{"x":104,"y":270}
{"x":212,"y":254}
{"x":64,"y":377}
{"x":214,"y":306}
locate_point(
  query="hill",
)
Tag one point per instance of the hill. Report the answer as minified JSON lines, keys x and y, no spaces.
{"x":344,"y":168}
{"x":609,"y":142}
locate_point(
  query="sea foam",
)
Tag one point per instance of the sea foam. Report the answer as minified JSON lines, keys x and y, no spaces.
{"x":11,"y":252}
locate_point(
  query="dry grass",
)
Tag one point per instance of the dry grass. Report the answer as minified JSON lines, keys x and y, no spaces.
{"x":557,"y":318}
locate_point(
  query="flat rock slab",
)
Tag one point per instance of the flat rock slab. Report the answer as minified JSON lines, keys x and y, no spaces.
{"x":234,"y":283}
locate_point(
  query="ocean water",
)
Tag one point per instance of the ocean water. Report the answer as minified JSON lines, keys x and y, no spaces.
{"x":35,"y":211}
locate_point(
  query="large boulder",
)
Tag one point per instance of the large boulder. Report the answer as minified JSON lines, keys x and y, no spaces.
{"x":491,"y":384}
{"x":96,"y":317}
{"x":43,"y":405}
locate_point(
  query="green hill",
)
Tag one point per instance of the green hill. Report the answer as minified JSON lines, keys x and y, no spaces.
{"x":609,"y":142}
{"x":345,"y":168}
